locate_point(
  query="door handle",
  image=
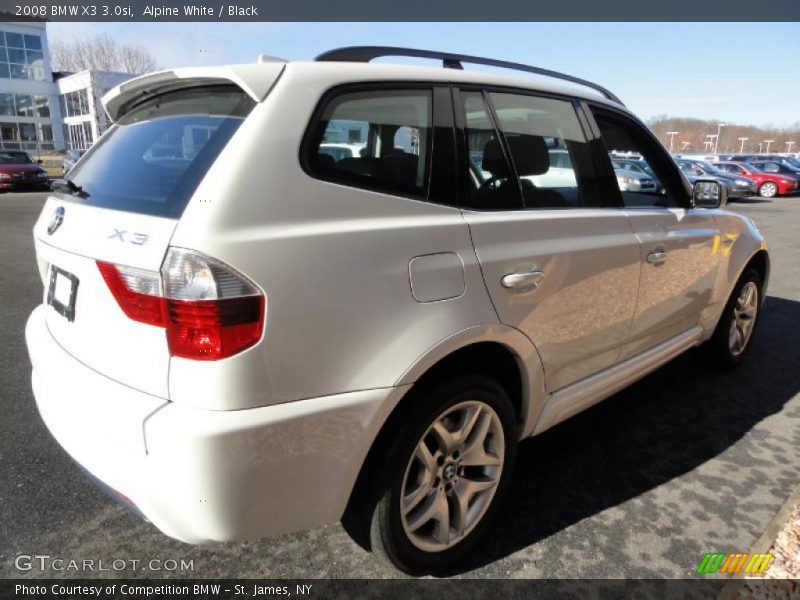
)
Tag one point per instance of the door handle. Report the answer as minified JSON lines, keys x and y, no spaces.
{"x":657,"y":256}
{"x":522,"y":282}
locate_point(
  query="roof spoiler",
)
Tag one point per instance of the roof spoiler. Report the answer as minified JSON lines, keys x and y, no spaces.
{"x":256,"y":80}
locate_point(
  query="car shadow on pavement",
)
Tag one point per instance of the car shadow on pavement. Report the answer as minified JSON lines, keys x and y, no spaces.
{"x":667,"y":424}
{"x":749,"y":200}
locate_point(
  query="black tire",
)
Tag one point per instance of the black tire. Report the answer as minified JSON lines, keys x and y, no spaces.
{"x":718,"y":349}
{"x":379,"y":505}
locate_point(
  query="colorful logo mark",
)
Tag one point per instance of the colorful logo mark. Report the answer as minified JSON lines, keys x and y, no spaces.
{"x":721,"y":562}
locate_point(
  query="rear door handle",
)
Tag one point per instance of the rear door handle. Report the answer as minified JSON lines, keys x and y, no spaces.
{"x":657,"y":256}
{"x":522,"y":282}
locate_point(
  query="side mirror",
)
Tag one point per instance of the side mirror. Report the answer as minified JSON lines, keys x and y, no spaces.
{"x":709,"y":193}
{"x":39,"y":162}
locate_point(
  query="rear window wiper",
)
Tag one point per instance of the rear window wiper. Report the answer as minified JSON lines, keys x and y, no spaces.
{"x":69,"y":186}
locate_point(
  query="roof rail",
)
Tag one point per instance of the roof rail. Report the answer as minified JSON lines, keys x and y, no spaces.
{"x":450,"y":61}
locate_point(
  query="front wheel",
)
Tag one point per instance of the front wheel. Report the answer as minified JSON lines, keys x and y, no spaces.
{"x":768,"y":189}
{"x":446,"y":475}
{"x":736,"y":326}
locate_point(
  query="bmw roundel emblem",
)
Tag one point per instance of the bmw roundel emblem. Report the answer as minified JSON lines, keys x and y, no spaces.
{"x":56,"y":220}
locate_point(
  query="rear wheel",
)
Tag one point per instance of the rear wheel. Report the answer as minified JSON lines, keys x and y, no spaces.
{"x":445,"y":477}
{"x":768,"y":189}
{"x":736,"y":326}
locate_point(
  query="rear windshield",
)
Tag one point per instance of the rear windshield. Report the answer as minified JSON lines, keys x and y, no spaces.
{"x":152,"y":160}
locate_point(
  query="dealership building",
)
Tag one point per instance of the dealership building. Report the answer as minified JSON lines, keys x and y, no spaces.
{"x":30,"y":117}
{"x":41,"y":111}
{"x":83,"y":114}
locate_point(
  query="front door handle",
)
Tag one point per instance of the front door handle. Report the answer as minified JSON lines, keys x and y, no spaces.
{"x":522,"y":282}
{"x":657,"y":256}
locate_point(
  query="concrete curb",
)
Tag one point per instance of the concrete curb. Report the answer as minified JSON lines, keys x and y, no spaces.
{"x":763,"y":543}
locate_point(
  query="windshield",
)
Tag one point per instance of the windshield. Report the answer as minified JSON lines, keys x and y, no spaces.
{"x":154,"y":158}
{"x":15,"y":158}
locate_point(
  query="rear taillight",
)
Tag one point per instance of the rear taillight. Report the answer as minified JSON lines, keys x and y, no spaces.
{"x":209,"y":310}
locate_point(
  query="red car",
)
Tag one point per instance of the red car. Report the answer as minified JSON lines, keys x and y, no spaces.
{"x":769,"y":184}
{"x":18,"y":171}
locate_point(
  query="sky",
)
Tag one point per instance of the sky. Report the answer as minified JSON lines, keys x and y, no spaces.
{"x":742,"y":73}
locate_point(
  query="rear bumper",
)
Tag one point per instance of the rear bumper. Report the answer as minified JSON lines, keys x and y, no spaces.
{"x":201,"y":475}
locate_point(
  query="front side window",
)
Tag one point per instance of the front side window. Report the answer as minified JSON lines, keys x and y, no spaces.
{"x":659,"y":185}
{"x":378,"y":140}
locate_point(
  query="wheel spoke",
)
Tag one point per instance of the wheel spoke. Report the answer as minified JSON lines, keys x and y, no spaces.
{"x":478,"y":457}
{"x":412,"y":499}
{"x":423,"y":454}
{"x":442,"y":530}
{"x":427,"y":512}
{"x":461,"y":506}
{"x":472,"y":417}
{"x":477,"y":439}
{"x":732,"y":336}
{"x":447,"y":441}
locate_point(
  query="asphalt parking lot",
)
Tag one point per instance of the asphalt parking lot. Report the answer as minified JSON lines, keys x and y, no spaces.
{"x":685,"y":462}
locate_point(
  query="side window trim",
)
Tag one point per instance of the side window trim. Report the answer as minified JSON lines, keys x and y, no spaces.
{"x":606,"y":178}
{"x":684,"y":198}
{"x":462,"y":145}
{"x":444,"y":185}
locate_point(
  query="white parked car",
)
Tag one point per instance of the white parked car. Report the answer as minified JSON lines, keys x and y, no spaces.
{"x":338,"y":151}
{"x":239,"y":340}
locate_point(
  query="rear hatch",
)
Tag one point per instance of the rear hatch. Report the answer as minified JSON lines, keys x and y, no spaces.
{"x":117,"y":212}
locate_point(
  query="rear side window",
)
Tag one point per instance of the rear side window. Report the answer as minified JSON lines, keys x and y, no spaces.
{"x":154,"y":157}
{"x":386,"y":135}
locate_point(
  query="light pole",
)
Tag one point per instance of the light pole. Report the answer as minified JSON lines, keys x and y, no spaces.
{"x":789,"y":147}
{"x":761,"y":148}
{"x":719,"y":130}
{"x":711,"y":141}
{"x":741,"y":148}
{"x":672,"y":135}
{"x":685,"y":145}
{"x":768,"y":142}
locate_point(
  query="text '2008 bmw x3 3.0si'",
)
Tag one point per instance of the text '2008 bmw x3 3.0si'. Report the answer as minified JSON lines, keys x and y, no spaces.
{"x":244,"y":332}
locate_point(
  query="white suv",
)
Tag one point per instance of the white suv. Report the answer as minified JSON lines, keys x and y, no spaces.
{"x":241,"y":335}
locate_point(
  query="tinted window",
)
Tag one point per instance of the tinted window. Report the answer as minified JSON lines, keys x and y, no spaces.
{"x":490,"y":185}
{"x":154,"y":158}
{"x":393,"y":130}
{"x":638,"y":189}
{"x":15,"y":158}
{"x":545,"y":140}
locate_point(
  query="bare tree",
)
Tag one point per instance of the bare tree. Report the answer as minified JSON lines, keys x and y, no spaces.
{"x":693,"y":134}
{"x":102,"y":53}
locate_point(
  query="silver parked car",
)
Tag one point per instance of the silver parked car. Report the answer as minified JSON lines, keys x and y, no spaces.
{"x":70,"y":158}
{"x":242,"y":335}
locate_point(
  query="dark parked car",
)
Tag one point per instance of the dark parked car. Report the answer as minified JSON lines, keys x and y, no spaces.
{"x":70,"y":158}
{"x":18,"y":171}
{"x":738,"y":186}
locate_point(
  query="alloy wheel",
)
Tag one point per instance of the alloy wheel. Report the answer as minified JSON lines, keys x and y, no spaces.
{"x":744,"y":318}
{"x":452,"y":476}
{"x":768,"y":189}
